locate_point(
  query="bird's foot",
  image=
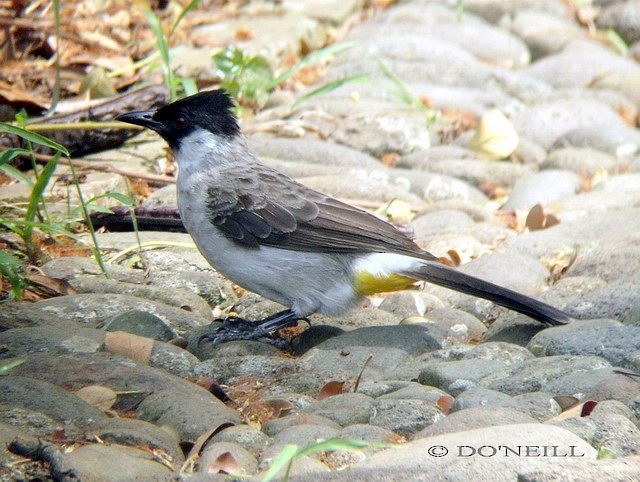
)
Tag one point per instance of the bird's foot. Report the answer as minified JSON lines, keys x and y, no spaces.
{"x":236,"y":328}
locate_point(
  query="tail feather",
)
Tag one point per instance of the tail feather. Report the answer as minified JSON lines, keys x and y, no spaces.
{"x":442,"y":275}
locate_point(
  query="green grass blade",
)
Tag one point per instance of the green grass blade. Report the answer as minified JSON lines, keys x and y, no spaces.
{"x":617,"y":41}
{"x":163,"y":47}
{"x":40,"y":185}
{"x":189,"y":85}
{"x":10,"y":154}
{"x":9,"y":268}
{"x":284,"y":458}
{"x":190,"y":6}
{"x":33,"y":137}
{"x":328,"y":87}
{"x":333,"y":445}
{"x":404,"y":94}
{"x":16,"y":174}
{"x":311,"y":59}
{"x":121,"y":198}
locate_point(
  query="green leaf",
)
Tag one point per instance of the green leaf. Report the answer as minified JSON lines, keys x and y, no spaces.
{"x":617,"y":41}
{"x":10,"y":268}
{"x":16,"y":174}
{"x":33,"y":137}
{"x":121,"y":198}
{"x":606,"y":453}
{"x":285,"y":457}
{"x":403,"y":93}
{"x":97,"y":208}
{"x":40,"y":185}
{"x":10,"y":154}
{"x":190,"y":6}
{"x":163,"y":48}
{"x":329,"y":86}
{"x":310,"y":59}
{"x":189,"y":85}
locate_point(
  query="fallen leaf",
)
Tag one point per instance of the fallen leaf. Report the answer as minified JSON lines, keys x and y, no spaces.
{"x":214,"y":388}
{"x":330,"y":389}
{"x":51,"y":286}
{"x":200,"y":442}
{"x":535,"y":218}
{"x":224,"y":464}
{"x":444,"y":403}
{"x":390,"y":159}
{"x":496,"y":137}
{"x":580,"y":410}
{"x":455,"y":257}
{"x":588,"y":407}
{"x":98,"y":396}
{"x":243,"y":34}
{"x":127,"y":344}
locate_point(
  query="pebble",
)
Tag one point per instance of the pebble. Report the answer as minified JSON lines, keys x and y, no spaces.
{"x":605,"y":338}
{"x":554,"y":374}
{"x":475,"y":417}
{"x":542,"y":188}
{"x":456,"y":376}
{"x":102,"y":462}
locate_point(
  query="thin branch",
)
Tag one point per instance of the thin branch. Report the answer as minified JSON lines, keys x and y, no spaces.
{"x":103,"y":167}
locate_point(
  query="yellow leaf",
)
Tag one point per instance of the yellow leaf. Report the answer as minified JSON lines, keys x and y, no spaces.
{"x":496,"y":138}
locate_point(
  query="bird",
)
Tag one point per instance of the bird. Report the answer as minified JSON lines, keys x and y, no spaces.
{"x":274,"y":236}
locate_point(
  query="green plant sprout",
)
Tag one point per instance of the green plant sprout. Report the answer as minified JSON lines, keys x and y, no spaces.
{"x":284,"y":460}
{"x":162,"y":44}
{"x":250,"y":79}
{"x":10,"y":262}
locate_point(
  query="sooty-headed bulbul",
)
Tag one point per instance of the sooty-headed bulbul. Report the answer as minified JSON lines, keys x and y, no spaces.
{"x":291,"y":244}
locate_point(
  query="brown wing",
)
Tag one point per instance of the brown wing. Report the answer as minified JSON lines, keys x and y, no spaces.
{"x":266,"y":208}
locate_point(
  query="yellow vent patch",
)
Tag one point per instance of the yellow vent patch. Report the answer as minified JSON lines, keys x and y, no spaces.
{"x":369,"y":284}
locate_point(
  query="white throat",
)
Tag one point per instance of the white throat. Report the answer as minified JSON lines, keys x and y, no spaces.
{"x":202,"y":150}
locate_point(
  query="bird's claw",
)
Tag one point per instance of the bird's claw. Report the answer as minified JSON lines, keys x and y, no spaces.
{"x":238,"y":329}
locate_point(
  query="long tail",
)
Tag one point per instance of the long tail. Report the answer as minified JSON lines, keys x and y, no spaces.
{"x":442,"y":275}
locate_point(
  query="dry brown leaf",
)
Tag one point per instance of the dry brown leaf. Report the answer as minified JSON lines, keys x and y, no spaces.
{"x":51,"y":286}
{"x":535,"y":218}
{"x":390,"y":159}
{"x":243,"y":34}
{"x":580,"y":410}
{"x":560,"y":261}
{"x":628,"y":115}
{"x":446,"y":261}
{"x":444,"y":403}
{"x":127,"y":344}
{"x":98,"y":396}
{"x":200,"y":442}
{"x":224,"y":464}
{"x":455,"y":257}
{"x":330,"y":389}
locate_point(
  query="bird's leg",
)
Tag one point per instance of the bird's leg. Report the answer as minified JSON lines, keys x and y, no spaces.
{"x":234,"y":328}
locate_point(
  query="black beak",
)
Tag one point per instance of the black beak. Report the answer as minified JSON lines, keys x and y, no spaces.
{"x":142,"y":118}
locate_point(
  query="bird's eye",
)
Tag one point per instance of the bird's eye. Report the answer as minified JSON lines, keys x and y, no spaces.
{"x":181,"y":123}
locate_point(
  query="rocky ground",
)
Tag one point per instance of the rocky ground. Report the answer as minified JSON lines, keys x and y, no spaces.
{"x":435,"y":372}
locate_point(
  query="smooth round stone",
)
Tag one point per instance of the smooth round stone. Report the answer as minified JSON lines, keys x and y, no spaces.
{"x":543,"y":188}
{"x":582,"y":161}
